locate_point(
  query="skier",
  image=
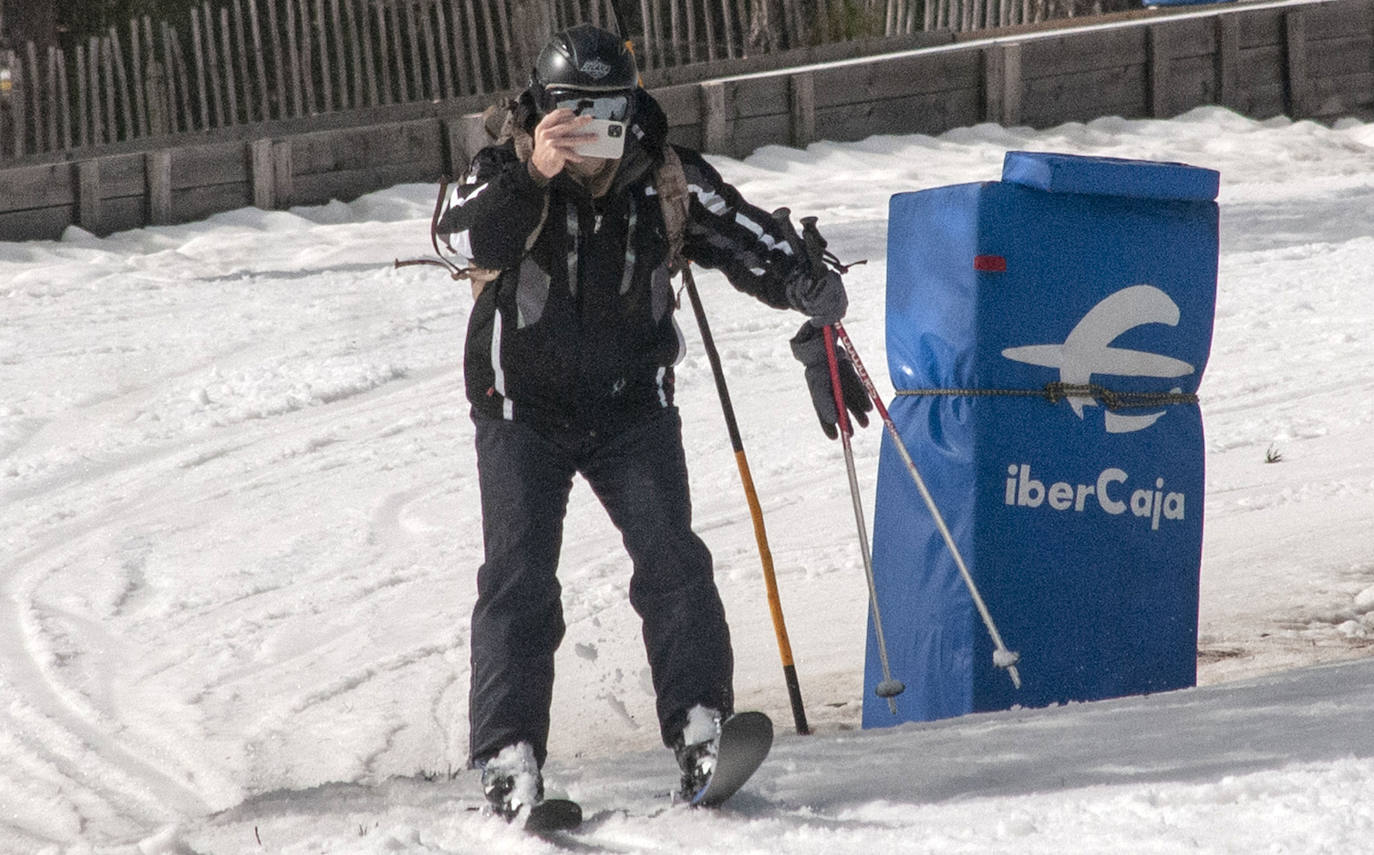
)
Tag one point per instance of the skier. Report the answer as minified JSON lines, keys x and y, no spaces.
{"x":569,"y":369}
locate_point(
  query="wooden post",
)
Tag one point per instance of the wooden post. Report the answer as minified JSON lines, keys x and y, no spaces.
{"x":384,"y":51}
{"x":6,"y":88}
{"x":157,"y":167}
{"x":340,"y":70}
{"x":490,"y":30}
{"x":717,"y":127}
{"x":166,"y":68}
{"x":1002,"y":84}
{"x":436,"y":89}
{"x":18,"y":94}
{"x":661,"y":43}
{"x":398,"y":47}
{"x":1227,"y":60}
{"x":107,"y":66}
{"x":101,"y":129}
{"x":474,"y":49}
{"x":670,"y":8}
{"x":801,"y":90}
{"x":212,"y":60}
{"x":260,"y":62}
{"x":139,"y":87}
{"x":326,"y":73}
{"x":63,"y":94}
{"x":34,"y":90}
{"x":647,"y":43}
{"x":242,"y":44}
{"x":417,"y":78}
{"x":294,"y":60}
{"x":790,"y":32}
{"x":445,"y":55}
{"x":1157,"y":77}
{"x":178,"y":81}
{"x":231,"y":84}
{"x":182,"y":80}
{"x":197,"y":47}
{"x":88,"y":201}
{"x":1297,"y":86}
{"x":1011,"y":86}
{"x":54,"y":105}
{"x":93,"y":81}
{"x":83,"y":126}
{"x":369,"y":63}
{"x":712,"y":54}
{"x":281,"y":72}
{"x":261,"y":168}
{"x":994,"y":71}
{"x":125,"y":101}
{"x":515,"y":75}
{"x":159,"y":106}
{"x":282,"y":174}
{"x":355,"y":38}
{"x":690,"y":14}
{"x":305,"y":72}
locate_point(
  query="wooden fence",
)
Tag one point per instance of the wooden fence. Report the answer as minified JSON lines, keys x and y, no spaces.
{"x":247,"y":61}
{"x":1308,"y":60}
{"x":240,"y":62}
{"x":1305,"y":58}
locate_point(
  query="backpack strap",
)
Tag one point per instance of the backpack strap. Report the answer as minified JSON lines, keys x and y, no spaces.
{"x":500,"y":123}
{"x":674,"y":198}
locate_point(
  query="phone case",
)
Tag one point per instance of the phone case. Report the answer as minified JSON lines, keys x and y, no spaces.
{"x":610,"y":139}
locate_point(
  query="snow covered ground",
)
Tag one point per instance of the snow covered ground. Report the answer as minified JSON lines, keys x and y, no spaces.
{"x":240,"y":528}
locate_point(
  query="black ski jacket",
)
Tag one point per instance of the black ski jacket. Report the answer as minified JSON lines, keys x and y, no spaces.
{"x":577,"y":330}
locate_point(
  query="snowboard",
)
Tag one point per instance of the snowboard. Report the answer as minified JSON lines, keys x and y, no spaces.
{"x":744,"y":742}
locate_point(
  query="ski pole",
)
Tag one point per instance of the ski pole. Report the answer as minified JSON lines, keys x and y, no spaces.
{"x":438,"y":260}
{"x":789,"y":669}
{"x":888,"y":688}
{"x":1001,"y":657}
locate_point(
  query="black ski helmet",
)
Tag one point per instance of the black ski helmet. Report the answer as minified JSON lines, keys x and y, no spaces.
{"x":587,"y":58}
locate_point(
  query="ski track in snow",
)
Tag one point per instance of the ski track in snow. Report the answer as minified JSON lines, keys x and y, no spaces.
{"x":240,"y":523}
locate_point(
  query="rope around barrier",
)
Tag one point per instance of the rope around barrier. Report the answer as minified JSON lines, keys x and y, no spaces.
{"x":1056,"y":392}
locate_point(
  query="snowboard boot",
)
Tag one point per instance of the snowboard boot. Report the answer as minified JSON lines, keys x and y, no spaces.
{"x":696,"y":749}
{"x":511,"y":781}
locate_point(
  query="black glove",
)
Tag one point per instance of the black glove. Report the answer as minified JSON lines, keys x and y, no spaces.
{"x":821,"y":296}
{"x":808,"y":345}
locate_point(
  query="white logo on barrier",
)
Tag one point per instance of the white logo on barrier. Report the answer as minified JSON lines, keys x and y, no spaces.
{"x":1087,"y":349}
{"x":1109,"y":493}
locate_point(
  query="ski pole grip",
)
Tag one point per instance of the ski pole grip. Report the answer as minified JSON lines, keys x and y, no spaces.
{"x":815,"y":245}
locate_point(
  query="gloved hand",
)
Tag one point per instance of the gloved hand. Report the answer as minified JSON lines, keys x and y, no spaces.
{"x":821,"y":296}
{"x":808,"y":345}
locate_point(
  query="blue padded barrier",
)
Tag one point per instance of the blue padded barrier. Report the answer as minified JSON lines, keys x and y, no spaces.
{"x":1082,"y":524}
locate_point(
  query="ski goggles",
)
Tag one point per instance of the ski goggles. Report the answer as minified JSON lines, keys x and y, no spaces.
{"x":614,"y":106}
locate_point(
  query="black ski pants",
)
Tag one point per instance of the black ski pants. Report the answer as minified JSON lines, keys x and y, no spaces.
{"x":639,"y":474}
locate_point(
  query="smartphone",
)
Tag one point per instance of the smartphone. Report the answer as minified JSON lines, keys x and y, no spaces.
{"x":609,"y":142}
